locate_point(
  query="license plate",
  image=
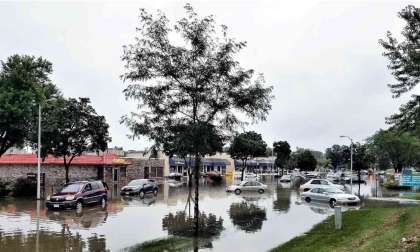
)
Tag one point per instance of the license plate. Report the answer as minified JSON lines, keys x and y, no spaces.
{"x":56,"y":205}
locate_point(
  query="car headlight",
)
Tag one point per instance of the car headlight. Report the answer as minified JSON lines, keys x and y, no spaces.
{"x":70,"y":197}
{"x":48,"y":197}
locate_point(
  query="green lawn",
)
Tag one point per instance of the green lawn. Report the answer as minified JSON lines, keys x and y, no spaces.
{"x":370,"y":229}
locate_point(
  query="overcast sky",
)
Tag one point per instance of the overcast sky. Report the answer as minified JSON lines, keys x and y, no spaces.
{"x":322,"y":57}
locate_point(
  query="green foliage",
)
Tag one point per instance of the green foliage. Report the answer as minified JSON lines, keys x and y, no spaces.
{"x":200,"y":86}
{"x":282,"y":152}
{"x":171,"y":244}
{"x":24,"y":187}
{"x":24,"y":83}
{"x":4,"y":190}
{"x":404,"y":56}
{"x":305,"y":160}
{"x":70,"y":128}
{"x":401,"y":148}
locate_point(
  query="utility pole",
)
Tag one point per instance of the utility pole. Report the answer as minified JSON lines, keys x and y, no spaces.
{"x":38,"y":178}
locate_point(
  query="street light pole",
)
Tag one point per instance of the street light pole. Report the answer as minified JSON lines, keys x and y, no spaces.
{"x":351,"y":162}
{"x":38,"y":178}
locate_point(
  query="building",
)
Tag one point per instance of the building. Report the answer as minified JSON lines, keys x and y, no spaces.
{"x":221,"y":163}
{"x":107,"y":167}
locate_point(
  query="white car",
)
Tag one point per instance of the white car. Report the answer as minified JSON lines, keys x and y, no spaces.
{"x":320,"y":183}
{"x":331,"y":195}
{"x":247,"y":186}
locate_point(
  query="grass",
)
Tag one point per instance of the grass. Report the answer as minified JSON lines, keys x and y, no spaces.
{"x":170,"y":244}
{"x":369,"y":229}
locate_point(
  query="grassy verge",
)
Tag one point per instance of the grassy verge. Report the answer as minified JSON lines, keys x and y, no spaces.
{"x":370,"y":229}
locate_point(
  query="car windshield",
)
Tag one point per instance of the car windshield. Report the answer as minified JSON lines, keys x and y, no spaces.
{"x":135,"y":183}
{"x":333,"y":190}
{"x":72,"y":188}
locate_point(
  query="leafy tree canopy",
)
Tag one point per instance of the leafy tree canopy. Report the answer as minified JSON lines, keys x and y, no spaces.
{"x":24,"y":83}
{"x":282,"y":152}
{"x":70,"y":128}
{"x":247,"y":145}
{"x":196,"y":84}
{"x":306,"y":161}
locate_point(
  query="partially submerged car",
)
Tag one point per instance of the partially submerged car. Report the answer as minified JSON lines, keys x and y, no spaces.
{"x":333,"y":196}
{"x":78,"y":194}
{"x":320,"y":183}
{"x":140,"y":187}
{"x":247,"y":186}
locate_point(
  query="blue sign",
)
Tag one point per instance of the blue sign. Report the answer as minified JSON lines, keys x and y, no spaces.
{"x":409,"y":179}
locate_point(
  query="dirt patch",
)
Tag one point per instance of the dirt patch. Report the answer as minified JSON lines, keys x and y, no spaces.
{"x":408,"y":243}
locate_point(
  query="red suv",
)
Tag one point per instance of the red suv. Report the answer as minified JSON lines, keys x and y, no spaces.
{"x":78,"y":194}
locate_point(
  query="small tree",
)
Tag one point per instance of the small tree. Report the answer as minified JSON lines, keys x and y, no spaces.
{"x":246,"y":146}
{"x":24,"y":83}
{"x":282,"y":152}
{"x":70,"y":128}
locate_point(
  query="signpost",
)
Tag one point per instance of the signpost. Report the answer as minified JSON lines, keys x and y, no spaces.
{"x":410,"y":178}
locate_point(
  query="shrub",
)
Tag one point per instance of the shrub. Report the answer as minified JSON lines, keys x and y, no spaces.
{"x":4,"y":190}
{"x":24,"y":187}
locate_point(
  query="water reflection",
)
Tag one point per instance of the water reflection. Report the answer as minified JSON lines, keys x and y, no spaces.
{"x":282,"y":202}
{"x":247,"y":216}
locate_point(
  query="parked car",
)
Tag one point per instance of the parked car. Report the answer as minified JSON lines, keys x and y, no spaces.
{"x":320,"y":183}
{"x":250,"y":176}
{"x":140,"y":187}
{"x":78,"y":194}
{"x":247,"y":186}
{"x":331,"y":195}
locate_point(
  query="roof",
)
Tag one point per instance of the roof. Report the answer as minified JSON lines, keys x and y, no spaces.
{"x":106,"y":159}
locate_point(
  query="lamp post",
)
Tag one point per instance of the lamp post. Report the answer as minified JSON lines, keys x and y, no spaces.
{"x":351,"y":162}
{"x":38,"y":177}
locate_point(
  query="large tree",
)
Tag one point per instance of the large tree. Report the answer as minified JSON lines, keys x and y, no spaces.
{"x":335,"y":154}
{"x":404,"y":63}
{"x":186,"y":75}
{"x":70,"y":128}
{"x":24,"y":83}
{"x":282,"y":152}
{"x":305,"y":160}
{"x":245,"y":146}
{"x":401,"y":148}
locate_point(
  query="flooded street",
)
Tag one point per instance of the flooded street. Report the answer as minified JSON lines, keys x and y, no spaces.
{"x":250,"y":222}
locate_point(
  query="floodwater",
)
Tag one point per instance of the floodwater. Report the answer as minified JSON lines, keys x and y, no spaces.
{"x":246,"y":222}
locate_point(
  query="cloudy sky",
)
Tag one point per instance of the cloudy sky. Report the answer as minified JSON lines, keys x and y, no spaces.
{"x":322,"y":57}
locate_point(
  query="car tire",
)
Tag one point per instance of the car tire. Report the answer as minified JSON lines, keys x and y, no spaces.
{"x":237,"y":191}
{"x":103,"y":202}
{"x":261,"y":191}
{"x":307,"y":199}
{"x":141,"y":194}
{"x":333,"y":202}
{"x":155,"y":192}
{"x":79,"y":205}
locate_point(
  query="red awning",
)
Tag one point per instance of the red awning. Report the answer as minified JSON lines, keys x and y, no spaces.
{"x":106,"y":159}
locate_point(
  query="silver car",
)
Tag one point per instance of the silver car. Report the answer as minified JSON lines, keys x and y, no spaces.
{"x":246,"y":186}
{"x":331,"y":195}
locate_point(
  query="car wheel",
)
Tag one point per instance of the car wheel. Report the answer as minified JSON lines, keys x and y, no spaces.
{"x":261,"y":191}
{"x":141,"y":194}
{"x":333,"y":202}
{"x":155,"y":192}
{"x":238,"y":191}
{"x":79,"y":206}
{"x":103,"y":202}
{"x":307,"y":199}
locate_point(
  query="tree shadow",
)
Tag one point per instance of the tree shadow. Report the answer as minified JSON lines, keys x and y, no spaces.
{"x":247,"y":216}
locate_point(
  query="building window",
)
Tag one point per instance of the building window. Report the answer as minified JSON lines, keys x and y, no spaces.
{"x":123,"y":171}
{"x":115,"y":175}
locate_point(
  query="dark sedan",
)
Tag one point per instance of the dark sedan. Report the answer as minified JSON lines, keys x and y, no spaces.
{"x":140,"y":187}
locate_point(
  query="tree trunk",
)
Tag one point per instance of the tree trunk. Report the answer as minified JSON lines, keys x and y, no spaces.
{"x":243,"y":169}
{"x":359,"y":177}
{"x":67,"y":173}
{"x":196,"y":196}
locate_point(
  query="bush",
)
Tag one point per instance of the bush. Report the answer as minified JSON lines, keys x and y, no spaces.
{"x":4,"y":190}
{"x":24,"y":187}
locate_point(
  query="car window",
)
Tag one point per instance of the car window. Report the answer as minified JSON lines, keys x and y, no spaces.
{"x":95,"y":186}
{"x":135,"y":182}
{"x":88,"y":187}
{"x":315,"y":182}
{"x":247,"y":184}
{"x":320,"y":190}
{"x":72,"y":188}
{"x":323,"y":182}
{"x":315,"y":190}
